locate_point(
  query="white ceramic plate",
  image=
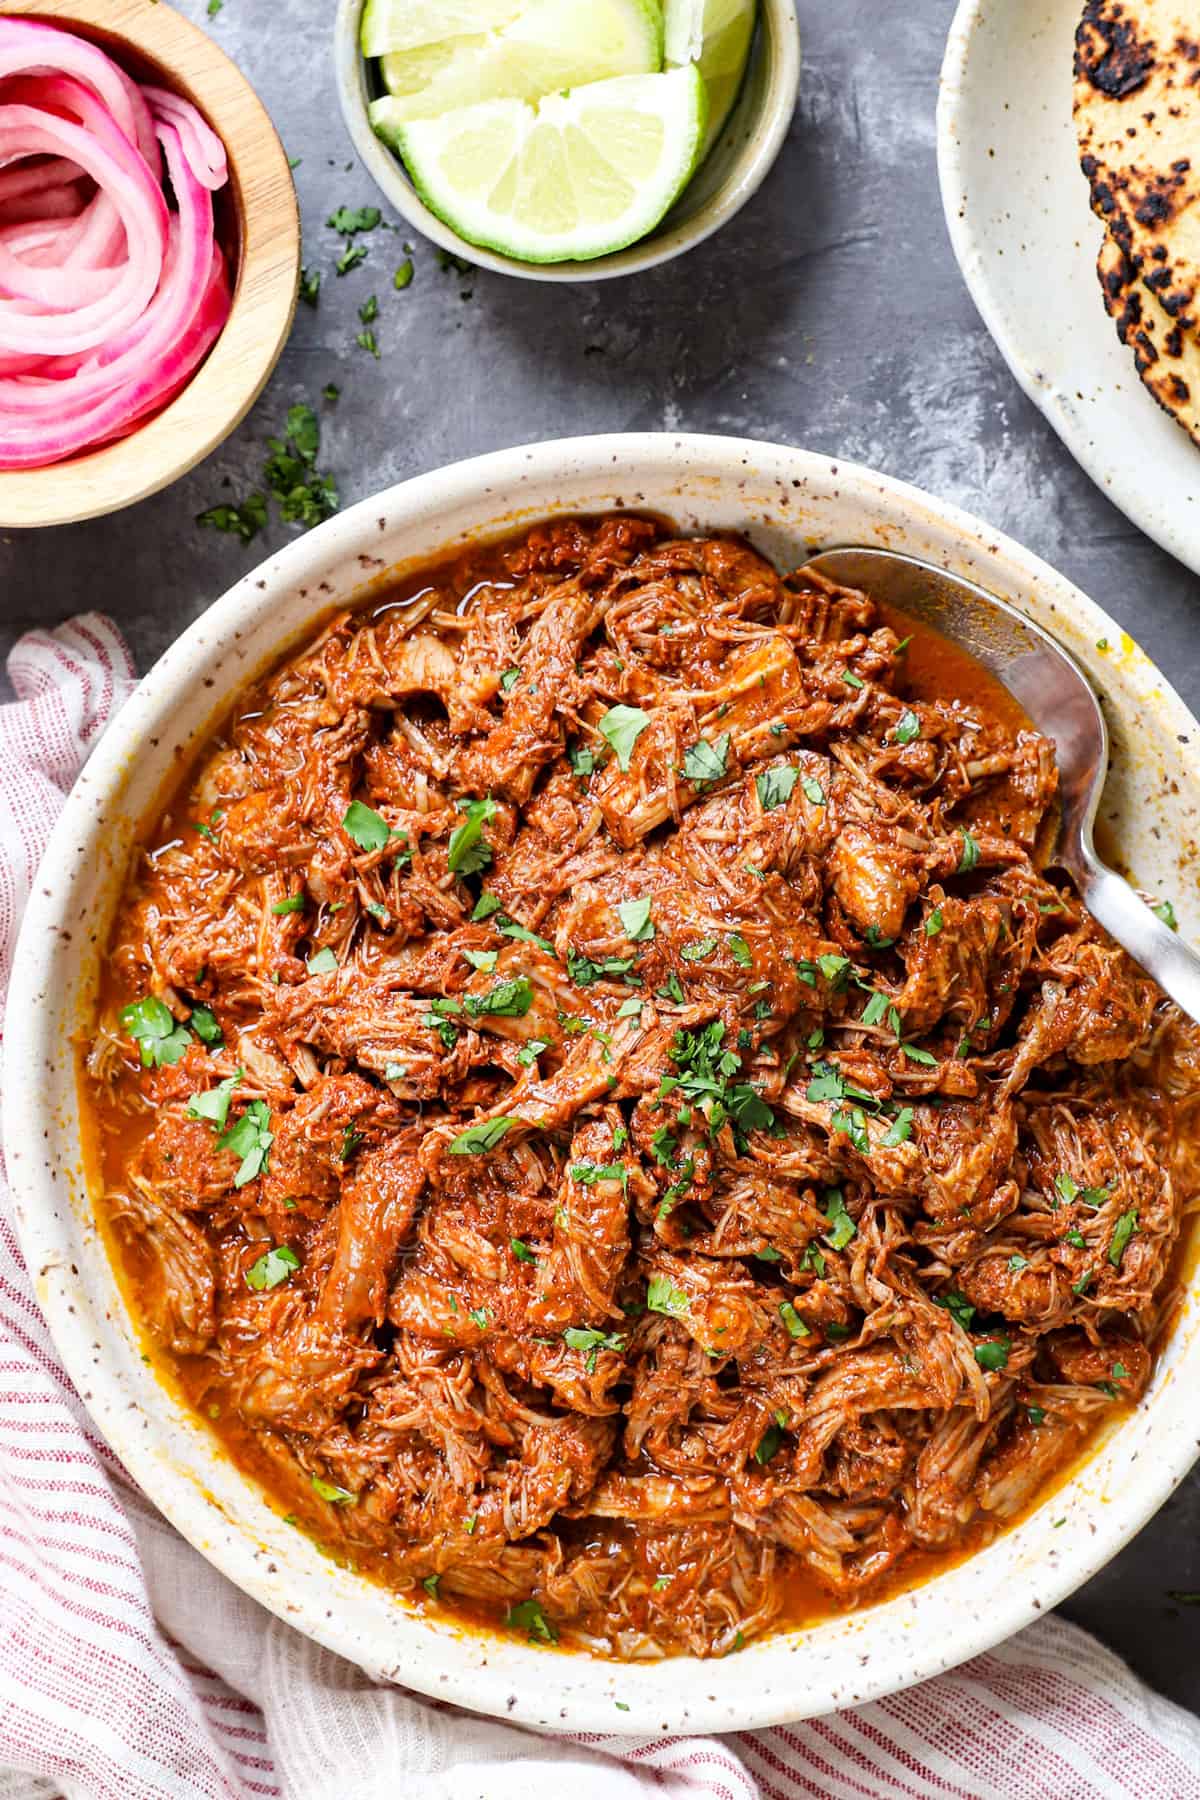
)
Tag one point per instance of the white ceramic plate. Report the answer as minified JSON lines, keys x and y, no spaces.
{"x":1026,"y":240}
{"x":790,"y":501}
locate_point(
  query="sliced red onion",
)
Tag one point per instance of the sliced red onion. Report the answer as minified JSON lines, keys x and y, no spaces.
{"x":109,"y":301}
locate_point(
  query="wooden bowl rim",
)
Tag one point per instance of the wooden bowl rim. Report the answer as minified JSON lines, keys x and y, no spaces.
{"x":237,"y":368}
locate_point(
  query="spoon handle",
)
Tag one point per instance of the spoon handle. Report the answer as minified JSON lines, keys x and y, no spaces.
{"x":1159,"y":950}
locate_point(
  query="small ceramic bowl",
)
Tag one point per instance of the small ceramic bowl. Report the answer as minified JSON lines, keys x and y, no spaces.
{"x":733,"y":170}
{"x":260,"y":229}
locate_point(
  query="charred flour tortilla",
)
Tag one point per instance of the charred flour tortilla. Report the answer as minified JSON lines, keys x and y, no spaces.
{"x":1137,"y":115}
{"x":1167,"y":356}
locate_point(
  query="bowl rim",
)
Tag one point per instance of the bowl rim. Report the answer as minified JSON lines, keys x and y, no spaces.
{"x":936,"y":1625}
{"x":777,"y":19}
{"x":237,"y":368}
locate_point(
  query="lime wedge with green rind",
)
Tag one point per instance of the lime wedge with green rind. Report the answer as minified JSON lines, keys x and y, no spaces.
{"x":577,"y":176}
{"x":549,"y":46}
{"x":715,"y":34}
{"x":408,"y":24}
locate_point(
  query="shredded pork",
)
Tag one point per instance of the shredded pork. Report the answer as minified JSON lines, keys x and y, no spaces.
{"x":605,"y":1113}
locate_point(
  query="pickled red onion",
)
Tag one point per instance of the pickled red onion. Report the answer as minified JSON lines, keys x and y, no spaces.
{"x":109,"y":298}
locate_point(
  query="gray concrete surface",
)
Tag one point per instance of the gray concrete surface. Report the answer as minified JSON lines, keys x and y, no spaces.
{"x":830,"y":314}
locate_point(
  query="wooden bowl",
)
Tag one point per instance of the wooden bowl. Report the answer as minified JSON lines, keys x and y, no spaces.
{"x":154,"y":40}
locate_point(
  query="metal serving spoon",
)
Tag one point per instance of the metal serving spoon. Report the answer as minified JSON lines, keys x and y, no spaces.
{"x":1054,"y":692}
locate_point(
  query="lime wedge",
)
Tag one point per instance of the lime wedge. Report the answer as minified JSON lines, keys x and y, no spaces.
{"x":577,"y":176}
{"x":716,"y":34}
{"x":407,"y":24}
{"x":548,"y":46}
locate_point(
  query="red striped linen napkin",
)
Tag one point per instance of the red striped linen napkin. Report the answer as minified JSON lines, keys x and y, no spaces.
{"x":131,"y":1670}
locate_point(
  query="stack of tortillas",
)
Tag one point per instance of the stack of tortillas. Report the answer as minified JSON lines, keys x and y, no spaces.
{"x":1137,"y":113}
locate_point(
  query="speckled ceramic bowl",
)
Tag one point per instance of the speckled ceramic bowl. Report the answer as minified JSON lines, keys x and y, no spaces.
{"x":790,"y":501}
{"x":1020,"y":220}
{"x":734,"y":169}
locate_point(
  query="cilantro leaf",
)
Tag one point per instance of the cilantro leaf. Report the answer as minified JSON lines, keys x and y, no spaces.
{"x":662,"y":1296}
{"x":635,"y":919}
{"x":250,"y":1138}
{"x":993,"y":1355}
{"x":272,"y":1268}
{"x":369,"y":829}
{"x":528,"y":1616}
{"x":213,"y":1104}
{"x":1123,"y":1230}
{"x":621,"y":727}
{"x":150,"y":1023}
{"x":481,"y":1137}
{"x":842,"y":1228}
{"x":969,"y":856}
{"x":507,"y":1000}
{"x":590,"y":1342}
{"x":244,"y":520}
{"x":908,"y":727}
{"x":704,"y":762}
{"x":469,"y":851}
{"x":348,"y":221}
{"x":775,"y":786}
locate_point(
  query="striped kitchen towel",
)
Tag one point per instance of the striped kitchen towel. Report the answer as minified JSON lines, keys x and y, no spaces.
{"x":131,"y":1670}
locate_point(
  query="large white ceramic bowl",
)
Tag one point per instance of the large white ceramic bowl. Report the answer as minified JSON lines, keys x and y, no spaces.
{"x":788,"y":501}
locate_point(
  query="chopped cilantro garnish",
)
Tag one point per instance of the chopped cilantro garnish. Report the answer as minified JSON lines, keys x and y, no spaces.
{"x":507,"y":1000}
{"x":933,"y":923}
{"x":775,"y":786}
{"x":348,"y":221}
{"x":529,"y":1052}
{"x":621,"y":727}
{"x":272,"y":1268}
{"x":672,"y":989}
{"x":768,"y":1444}
{"x":908,"y":727}
{"x":527,"y":1616}
{"x":250,"y":1138}
{"x":484,"y":1135}
{"x":1166,"y":912}
{"x":369,"y":829}
{"x":159,"y":1039}
{"x":483,"y":960}
{"x":403,"y":276}
{"x":485,"y":906}
{"x":705,"y":762}
{"x":795,"y":1326}
{"x":322,"y":962}
{"x":662,"y":1296}
{"x":1123,"y":1230}
{"x":841,"y":1226}
{"x":812,"y":790}
{"x":213,"y":1104}
{"x":244,"y":520}
{"x":521,"y":1250}
{"x":293,"y":904}
{"x":900,"y":1129}
{"x":584,"y":971}
{"x":635,"y":919}
{"x":958,"y":1306}
{"x":469,"y":851}
{"x":590,"y":1343}
{"x":699,"y":950}
{"x":740,"y":950}
{"x":969,"y":855}
{"x":328,"y":1490}
{"x":202,"y":1021}
{"x":993,"y":1355}
{"x":509,"y":679}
